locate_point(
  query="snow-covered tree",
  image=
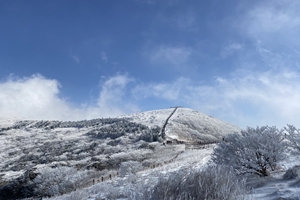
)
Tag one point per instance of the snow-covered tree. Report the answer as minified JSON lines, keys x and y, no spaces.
{"x":293,"y":135}
{"x":255,"y":150}
{"x":60,"y":180}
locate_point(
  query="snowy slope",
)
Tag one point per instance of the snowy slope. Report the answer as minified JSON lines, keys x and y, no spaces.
{"x":186,"y":124}
{"x":101,"y":145}
{"x":151,"y":118}
{"x":6,"y":122}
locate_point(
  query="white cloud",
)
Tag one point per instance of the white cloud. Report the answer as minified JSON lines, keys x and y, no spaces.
{"x":269,"y":31}
{"x":273,"y":17}
{"x":246,"y":99}
{"x":32,"y":97}
{"x":170,"y":54}
{"x":111,"y":99}
{"x":37,"y":97}
{"x":277,"y":21}
{"x":252,"y":99}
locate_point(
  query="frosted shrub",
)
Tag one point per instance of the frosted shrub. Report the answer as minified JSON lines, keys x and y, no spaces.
{"x":61,"y":180}
{"x":293,"y":135}
{"x":130,"y":167}
{"x":253,"y":151}
{"x":292,"y":173}
{"x":152,"y":135}
{"x":105,"y":191}
{"x":216,"y":182}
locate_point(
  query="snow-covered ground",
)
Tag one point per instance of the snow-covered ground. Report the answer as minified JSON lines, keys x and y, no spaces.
{"x":271,"y":188}
{"x":30,"y":145}
{"x":277,"y":187}
{"x":151,"y":118}
{"x":187,"y":159}
{"x":103,"y":144}
{"x":186,"y":124}
{"x":6,"y":122}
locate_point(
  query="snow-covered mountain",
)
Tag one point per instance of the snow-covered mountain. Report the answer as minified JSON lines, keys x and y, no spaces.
{"x":186,"y":124}
{"x":30,"y":148}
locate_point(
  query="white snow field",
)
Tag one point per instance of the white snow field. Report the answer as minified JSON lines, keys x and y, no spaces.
{"x":186,"y":124}
{"x":146,"y":178}
{"x":81,"y":160}
{"x":6,"y":122}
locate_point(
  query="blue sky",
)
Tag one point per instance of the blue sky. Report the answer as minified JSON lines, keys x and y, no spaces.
{"x":235,"y":60}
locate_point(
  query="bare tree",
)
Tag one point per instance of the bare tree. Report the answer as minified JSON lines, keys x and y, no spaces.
{"x":255,"y":150}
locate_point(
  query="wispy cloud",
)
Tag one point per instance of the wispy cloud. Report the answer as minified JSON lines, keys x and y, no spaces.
{"x":75,"y":58}
{"x":104,"y":57}
{"x":269,"y":33}
{"x":275,"y":21}
{"x":187,"y":21}
{"x":230,"y":49}
{"x":170,"y":54}
{"x":252,"y":98}
{"x":246,"y":98}
{"x":112,"y":96}
{"x":164,"y":90}
{"x":153,"y":2}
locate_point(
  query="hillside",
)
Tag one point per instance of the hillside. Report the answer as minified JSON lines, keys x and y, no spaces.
{"x":96,"y":148}
{"x":186,"y":124}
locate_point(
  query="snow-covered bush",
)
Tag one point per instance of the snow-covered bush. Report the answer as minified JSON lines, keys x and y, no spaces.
{"x":213,"y":182}
{"x":77,"y":195}
{"x":293,"y":135}
{"x":292,"y":173}
{"x":60,"y":180}
{"x":17,"y":188}
{"x":130,"y":167}
{"x":152,"y":135}
{"x":256,"y":150}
